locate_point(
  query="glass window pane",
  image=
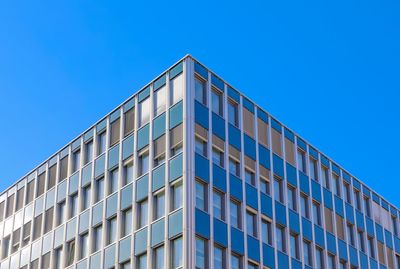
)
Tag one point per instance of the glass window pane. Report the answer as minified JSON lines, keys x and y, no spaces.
{"x":177,"y":259}
{"x":144,"y":112}
{"x":200,"y":90}
{"x":159,"y":101}
{"x":200,"y":254}
{"x":177,"y":196}
{"x":159,"y":258}
{"x":176,"y":89}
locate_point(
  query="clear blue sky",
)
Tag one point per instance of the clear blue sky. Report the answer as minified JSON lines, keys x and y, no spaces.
{"x":328,"y":69}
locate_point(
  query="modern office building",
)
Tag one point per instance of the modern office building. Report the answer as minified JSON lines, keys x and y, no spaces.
{"x":189,"y":173}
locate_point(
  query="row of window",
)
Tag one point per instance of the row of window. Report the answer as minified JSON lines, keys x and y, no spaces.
{"x":64,"y":257}
{"x":361,"y":202}
{"x":282,"y":141}
{"x":236,"y":260}
{"x":91,"y":193}
{"x":53,"y":217}
{"x":96,"y":145}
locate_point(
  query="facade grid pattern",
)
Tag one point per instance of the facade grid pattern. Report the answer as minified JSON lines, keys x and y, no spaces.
{"x":190,"y":173}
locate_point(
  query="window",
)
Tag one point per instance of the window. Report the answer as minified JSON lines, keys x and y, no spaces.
{"x":97,"y":238}
{"x":111,"y":230}
{"x":115,"y":127}
{"x":2,"y":211}
{"x":265,"y":186}
{"x":73,"y":205}
{"x":126,"y":265}
{"x":329,"y":222}
{"x":129,"y":121}
{"x":371,"y":247}
{"x":280,"y":238}
{"x":367,"y":206}
{"x":60,"y":212}
{"x":176,"y":89}
{"x":233,"y":113}
{"x":63,"y":168}
{"x":304,"y":206}
{"x":219,"y":258}
{"x":249,"y":177}
{"x":350,"y":234}
{"x":70,"y":253}
{"x":16,"y":236}
{"x":29,"y":192}
{"x":126,"y":222}
{"x":218,"y":157}
{"x":278,"y":190}
{"x":46,"y":261}
{"x":236,"y":262}
{"x":83,"y":245}
{"x":291,"y":195}
{"x":325,"y":177}
{"x":394,"y":226}
{"x":201,"y":196}
{"x":266,"y":232}
{"x":251,"y":224}
{"x":201,"y":254}
{"x":319,"y":258}
{"x":357,"y":199}
{"x":342,"y":264}
{"x":201,"y":146}
{"x":235,"y":214}
{"x":159,"y":101}
{"x":307,"y":253}
{"x":99,"y":190}
{"x":159,"y":258}
{"x":218,"y":205}
{"x":86,"y":195}
{"x":216,"y":99}
{"x":177,"y":201}
{"x":200,"y":90}
{"x":113,"y":181}
{"x":331,"y":261}
{"x":88,"y":152}
{"x":143,"y":163}
{"x":128,"y":173}
{"x":176,"y":150}
{"x":143,"y":214}
{"x":160,"y":158}
{"x":336,"y":185}
{"x":76,"y":160}
{"x":48,"y":220}
{"x":101,"y":143}
{"x":317,"y":213}
{"x":39,"y":191}
{"x":294,"y":246}
{"x":301,"y":161}
{"x":234,"y":167}
{"x":57,"y":258}
{"x":26,"y":234}
{"x":313,"y":169}
{"x":347,"y":192}
{"x":159,"y":205}
{"x":5,"y":247}
{"x":177,"y":256}
{"x":144,"y":112}
{"x":142,"y":262}
{"x":35,"y":264}
{"x":19,"y":203}
{"x":52,"y":177}
{"x":361,"y":245}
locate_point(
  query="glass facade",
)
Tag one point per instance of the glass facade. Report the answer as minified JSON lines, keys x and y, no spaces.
{"x":189,"y":173}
